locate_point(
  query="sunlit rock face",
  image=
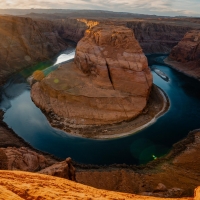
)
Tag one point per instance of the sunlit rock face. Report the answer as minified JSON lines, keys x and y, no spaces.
{"x":108,"y":82}
{"x":23,"y":185}
{"x":114,"y":59}
{"x":157,"y":37}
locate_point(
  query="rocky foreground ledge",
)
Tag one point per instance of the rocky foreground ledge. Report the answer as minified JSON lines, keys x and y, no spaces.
{"x":108,"y":82}
{"x":23,"y":185}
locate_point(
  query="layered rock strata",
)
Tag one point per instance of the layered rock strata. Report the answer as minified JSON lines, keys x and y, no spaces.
{"x":25,"y":159}
{"x":185,"y":57}
{"x":178,"y":172}
{"x":108,"y":82}
{"x":157,"y":37}
{"x":154,"y":35}
{"x":23,"y":185}
{"x":25,"y":42}
{"x":70,"y":29}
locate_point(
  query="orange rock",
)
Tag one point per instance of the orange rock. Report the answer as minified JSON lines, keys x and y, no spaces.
{"x":108,"y":82}
{"x":24,"y":185}
{"x":185,"y":57}
{"x":38,"y":75}
{"x":188,"y":48}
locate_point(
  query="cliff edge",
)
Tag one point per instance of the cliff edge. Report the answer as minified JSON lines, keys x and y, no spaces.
{"x":185,"y":56}
{"x":108,"y":82}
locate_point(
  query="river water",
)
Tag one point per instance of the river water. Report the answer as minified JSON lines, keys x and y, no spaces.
{"x":154,"y":141}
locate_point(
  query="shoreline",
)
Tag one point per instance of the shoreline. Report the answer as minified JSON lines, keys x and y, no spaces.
{"x":130,"y":127}
{"x":176,"y":66}
{"x":165,"y":108}
{"x":16,"y":141}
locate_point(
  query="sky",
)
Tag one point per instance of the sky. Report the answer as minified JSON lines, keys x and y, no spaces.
{"x":158,"y":7}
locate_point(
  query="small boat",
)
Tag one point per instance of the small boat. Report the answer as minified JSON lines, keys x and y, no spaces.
{"x":161,"y":74}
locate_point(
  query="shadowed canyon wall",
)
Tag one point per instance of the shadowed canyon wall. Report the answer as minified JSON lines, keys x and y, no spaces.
{"x":185,"y":56}
{"x":25,"y":42}
{"x":157,"y":37}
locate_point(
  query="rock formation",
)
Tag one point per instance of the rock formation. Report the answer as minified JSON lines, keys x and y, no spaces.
{"x":25,"y":42}
{"x":63,"y":169}
{"x":25,"y":159}
{"x":157,"y":37}
{"x":24,"y":185}
{"x":70,"y":29}
{"x":186,"y":55}
{"x":108,"y":82}
{"x":178,"y":172}
{"x":154,"y":35}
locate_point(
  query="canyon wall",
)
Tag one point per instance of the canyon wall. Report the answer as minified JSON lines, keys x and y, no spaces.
{"x":154,"y":35}
{"x":25,"y":42}
{"x":108,"y":82}
{"x":70,"y":29}
{"x":175,"y":175}
{"x":25,"y":159}
{"x":185,"y":56}
{"x":157,"y":37}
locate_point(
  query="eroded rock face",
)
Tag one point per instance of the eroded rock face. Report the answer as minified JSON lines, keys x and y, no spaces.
{"x":157,"y":37}
{"x":23,"y":185}
{"x":114,"y":59}
{"x":186,"y":55}
{"x":62,"y":169}
{"x":108,"y":82}
{"x":24,"y":159}
{"x":188,"y":49}
{"x":71,"y":29}
{"x":25,"y":41}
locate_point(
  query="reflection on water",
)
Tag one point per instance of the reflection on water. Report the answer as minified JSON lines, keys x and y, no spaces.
{"x":66,"y":56}
{"x":156,"y":140}
{"x":13,"y":88}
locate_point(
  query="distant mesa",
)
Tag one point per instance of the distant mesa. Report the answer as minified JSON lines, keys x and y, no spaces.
{"x":108,"y":82}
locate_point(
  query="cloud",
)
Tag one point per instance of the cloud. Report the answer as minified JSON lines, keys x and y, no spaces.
{"x":159,"y":7}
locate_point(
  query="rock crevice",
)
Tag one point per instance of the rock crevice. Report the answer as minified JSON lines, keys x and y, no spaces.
{"x":108,"y":82}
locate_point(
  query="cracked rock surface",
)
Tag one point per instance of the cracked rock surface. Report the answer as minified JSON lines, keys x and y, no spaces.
{"x":108,"y":82}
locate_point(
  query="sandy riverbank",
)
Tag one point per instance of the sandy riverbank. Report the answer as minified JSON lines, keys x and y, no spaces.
{"x":157,"y":105}
{"x":184,"y":68}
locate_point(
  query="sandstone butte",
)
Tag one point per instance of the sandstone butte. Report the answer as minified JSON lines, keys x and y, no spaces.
{"x":108,"y":82}
{"x":25,"y":185}
{"x":185,"y":56}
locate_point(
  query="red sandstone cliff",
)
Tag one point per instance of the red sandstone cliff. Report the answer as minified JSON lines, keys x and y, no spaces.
{"x":157,"y":37}
{"x":185,"y":57}
{"x":108,"y":82}
{"x":25,"y":42}
{"x":154,"y":35}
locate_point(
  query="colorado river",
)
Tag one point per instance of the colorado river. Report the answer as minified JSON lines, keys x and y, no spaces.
{"x":154,"y":141}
